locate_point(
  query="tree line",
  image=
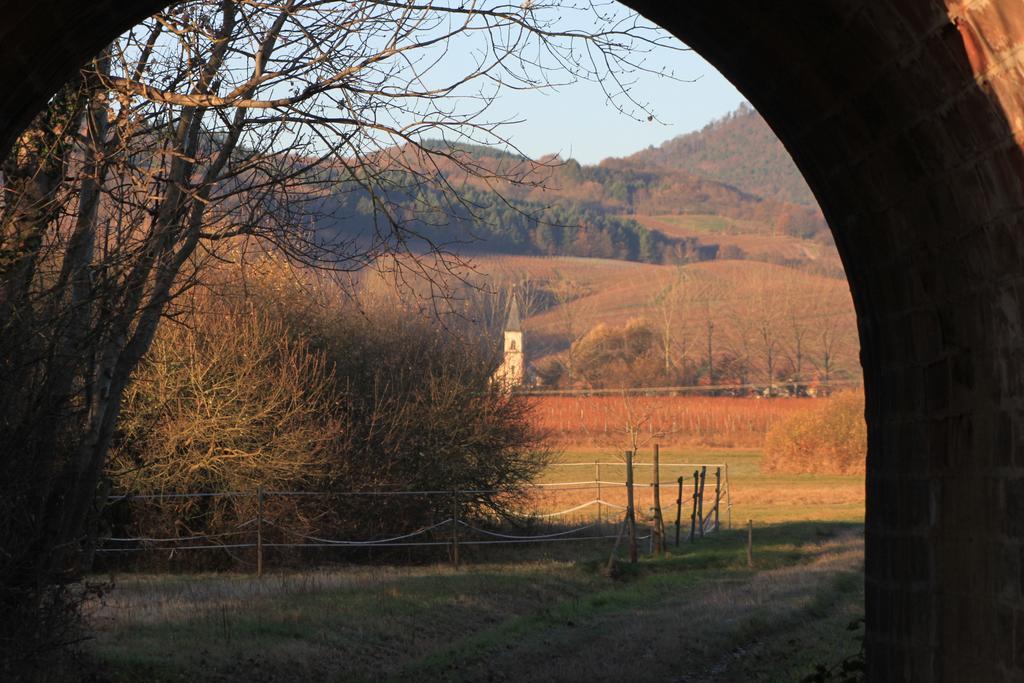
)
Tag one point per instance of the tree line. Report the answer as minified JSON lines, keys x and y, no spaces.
{"x":482,"y":221}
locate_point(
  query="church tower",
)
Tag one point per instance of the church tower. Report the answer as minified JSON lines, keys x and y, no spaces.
{"x":513,"y":366}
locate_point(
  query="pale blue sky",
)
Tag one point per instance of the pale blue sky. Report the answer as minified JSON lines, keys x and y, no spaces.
{"x":578,"y":121}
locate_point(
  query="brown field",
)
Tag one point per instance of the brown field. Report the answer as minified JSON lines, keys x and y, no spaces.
{"x":692,"y":420}
{"x":739,"y":291}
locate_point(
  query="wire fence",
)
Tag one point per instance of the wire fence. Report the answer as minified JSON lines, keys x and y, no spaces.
{"x":262,"y":531}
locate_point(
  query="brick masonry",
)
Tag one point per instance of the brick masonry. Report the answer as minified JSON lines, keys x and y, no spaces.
{"x":907,"y":119}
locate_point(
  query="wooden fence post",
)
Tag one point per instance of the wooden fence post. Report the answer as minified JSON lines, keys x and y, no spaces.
{"x":728,"y":497}
{"x":618,"y":540}
{"x":259,"y":531}
{"x":693,"y":507}
{"x":455,"y":529}
{"x":597,"y":480}
{"x":630,"y":510}
{"x":700,"y":500}
{"x":718,"y":492}
{"x":750,"y":543}
{"x":658,"y":540}
{"x":679,"y":509}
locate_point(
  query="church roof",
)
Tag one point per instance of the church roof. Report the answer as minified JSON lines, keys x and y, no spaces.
{"x":514,"y":324}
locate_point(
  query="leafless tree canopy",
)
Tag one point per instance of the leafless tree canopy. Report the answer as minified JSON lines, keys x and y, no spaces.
{"x":214,"y":127}
{"x":262,"y":387}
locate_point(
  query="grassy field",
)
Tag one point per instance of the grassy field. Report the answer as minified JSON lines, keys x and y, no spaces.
{"x":540,"y":612}
{"x":763,"y":498}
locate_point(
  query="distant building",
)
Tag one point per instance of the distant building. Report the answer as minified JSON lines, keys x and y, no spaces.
{"x":512,"y":371}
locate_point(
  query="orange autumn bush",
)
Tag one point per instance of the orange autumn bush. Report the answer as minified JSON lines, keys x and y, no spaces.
{"x":831,"y":438}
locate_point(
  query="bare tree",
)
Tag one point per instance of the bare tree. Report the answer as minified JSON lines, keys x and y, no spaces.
{"x":830,"y":331}
{"x":254,"y":388}
{"x":226,"y":400}
{"x":226,"y":121}
{"x":829,"y":341}
{"x":763,"y":308}
{"x":705,"y":300}
{"x":670,"y":307}
{"x":799,"y":324}
{"x":566,"y":292}
{"x":533,"y":294}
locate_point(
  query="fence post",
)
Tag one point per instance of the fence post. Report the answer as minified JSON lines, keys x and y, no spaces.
{"x":618,"y":540}
{"x":658,"y":540}
{"x":718,"y":492}
{"x":259,"y":531}
{"x":455,"y":529}
{"x":693,"y":506}
{"x":679,"y":509}
{"x":630,"y":510}
{"x":700,"y":500}
{"x":597,"y":481}
{"x":750,"y":543}
{"x":728,"y":497}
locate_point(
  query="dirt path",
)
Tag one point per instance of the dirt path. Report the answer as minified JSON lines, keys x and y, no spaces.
{"x":697,"y":615}
{"x":754,"y":628}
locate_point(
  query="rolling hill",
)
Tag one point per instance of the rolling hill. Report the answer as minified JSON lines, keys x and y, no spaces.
{"x":739,"y":150}
{"x":678,"y":203}
{"x":806,"y":320}
{"x":704,"y":260}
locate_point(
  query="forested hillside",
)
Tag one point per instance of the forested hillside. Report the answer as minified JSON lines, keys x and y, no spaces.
{"x":738,"y":149}
{"x":771,"y":308}
{"x":734,"y":168}
{"x":512,"y":222}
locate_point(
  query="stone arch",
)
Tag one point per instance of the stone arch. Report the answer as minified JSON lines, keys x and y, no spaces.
{"x":907,"y":119}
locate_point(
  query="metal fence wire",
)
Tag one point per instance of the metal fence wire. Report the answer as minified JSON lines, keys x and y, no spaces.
{"x":262,"y":531}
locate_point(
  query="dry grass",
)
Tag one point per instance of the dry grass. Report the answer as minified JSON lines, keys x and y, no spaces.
{"x":311,"y":625}
{"x":765,"y":497}
{"x":619,"y":291}
{"x":693,"y":628}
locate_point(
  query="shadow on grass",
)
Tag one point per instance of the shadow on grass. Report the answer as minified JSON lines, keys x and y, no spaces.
{"x":365,"y":621}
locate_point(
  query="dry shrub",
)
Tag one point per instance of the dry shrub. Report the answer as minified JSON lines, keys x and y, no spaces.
{"x":226,"y":402}
{"x":294,"y":388}
{"x":831,"y":438}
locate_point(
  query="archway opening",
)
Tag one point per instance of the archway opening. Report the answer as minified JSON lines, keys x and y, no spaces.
{"x":901,"y":119}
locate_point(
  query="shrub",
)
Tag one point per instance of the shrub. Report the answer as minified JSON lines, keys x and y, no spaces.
{"x":830,"y":438}
{"x":287,"y":390}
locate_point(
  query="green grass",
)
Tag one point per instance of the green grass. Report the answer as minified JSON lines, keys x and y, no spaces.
{"x":764,"y":497}
{"x":528,"y":619}
{"x":542,"y":612}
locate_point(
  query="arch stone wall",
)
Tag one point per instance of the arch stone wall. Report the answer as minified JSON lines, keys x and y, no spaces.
{"x":907,"y":119}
